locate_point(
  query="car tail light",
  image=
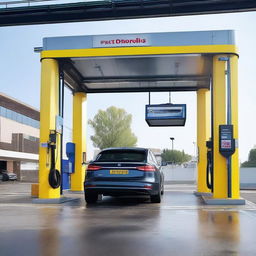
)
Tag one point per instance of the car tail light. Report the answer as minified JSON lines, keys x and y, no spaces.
{"x":148,"y":186}
{"x":146,"y":168}
{"x":92,"y":167}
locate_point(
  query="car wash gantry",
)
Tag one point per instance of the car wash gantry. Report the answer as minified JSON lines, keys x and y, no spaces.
{"x":204,"y":61}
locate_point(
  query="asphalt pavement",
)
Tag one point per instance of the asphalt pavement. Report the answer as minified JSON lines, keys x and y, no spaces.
{"x":180,"y":225}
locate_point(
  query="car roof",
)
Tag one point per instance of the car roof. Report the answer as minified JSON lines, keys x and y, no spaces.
{"x":125,"y":148}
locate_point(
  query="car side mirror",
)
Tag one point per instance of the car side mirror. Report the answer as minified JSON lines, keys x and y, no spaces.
{"x":164,"y":164}
{"x":86,"y":163}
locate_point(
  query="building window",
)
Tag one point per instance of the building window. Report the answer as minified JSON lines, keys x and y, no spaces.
{"x":9,"y":113}
{"x":4,"y":112}
{"x":28,"y":137}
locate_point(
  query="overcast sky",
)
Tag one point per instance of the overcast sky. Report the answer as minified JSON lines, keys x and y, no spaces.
{"x":20,"y":74}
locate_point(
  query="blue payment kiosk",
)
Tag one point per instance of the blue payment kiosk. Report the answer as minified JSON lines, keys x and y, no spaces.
{"x":68,"y":165}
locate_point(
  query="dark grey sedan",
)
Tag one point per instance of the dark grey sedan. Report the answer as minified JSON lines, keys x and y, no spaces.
{"x":124,"y":171}
{"x":5,"y":175}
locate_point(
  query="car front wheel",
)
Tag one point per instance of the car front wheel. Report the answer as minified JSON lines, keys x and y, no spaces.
{"x":91,"y":198}
{"x":5,"y":177}
{"x":162,"y":189}
{"x":156,"y":198}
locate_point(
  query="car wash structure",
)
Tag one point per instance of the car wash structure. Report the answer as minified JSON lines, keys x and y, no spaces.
{"x":205,"y":62}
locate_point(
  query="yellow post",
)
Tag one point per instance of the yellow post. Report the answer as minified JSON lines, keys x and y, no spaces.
{"x":219,"y":110}
{"x":49,"y":108}
{"x":219,"y":117}
{"x":234,"y":113}
{"x":203,"y":134}
{"x":79,"y":138}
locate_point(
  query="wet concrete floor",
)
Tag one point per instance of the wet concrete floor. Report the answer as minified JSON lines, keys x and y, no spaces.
{"x":180,"y":225}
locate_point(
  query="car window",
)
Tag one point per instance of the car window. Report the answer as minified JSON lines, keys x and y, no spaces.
{"x":121,"y":156}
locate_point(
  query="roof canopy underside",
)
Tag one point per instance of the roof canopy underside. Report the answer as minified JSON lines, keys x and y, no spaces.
{"x":143,"y":73}
{"x":33,"y":12}
{"x":138,"y":73}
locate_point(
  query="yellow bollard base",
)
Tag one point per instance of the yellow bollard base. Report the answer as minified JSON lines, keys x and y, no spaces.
{"x":34,"y":190}
{"x":196,"y":193}
{"x":60,"y":200}
{"x":223,"y":201}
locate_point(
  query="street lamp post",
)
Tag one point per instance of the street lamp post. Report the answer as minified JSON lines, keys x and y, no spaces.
{"x":194,"y":148}
{"x":172,"y":139}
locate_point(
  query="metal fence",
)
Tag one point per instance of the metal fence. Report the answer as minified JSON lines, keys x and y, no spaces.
{"x":177,"y":174}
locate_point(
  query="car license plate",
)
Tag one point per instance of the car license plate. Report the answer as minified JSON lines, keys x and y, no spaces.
{"x":119,"y":172}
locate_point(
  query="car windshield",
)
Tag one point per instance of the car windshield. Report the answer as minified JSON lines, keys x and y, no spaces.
{"x":121,"y":156}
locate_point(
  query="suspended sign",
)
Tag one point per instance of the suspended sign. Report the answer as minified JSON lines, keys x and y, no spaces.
{"x":166,"y":115}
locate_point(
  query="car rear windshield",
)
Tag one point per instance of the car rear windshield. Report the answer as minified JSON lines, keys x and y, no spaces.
{"x":121,"y":156}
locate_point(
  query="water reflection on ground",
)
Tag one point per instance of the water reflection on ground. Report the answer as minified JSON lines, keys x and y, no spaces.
{"x":180,"y":225}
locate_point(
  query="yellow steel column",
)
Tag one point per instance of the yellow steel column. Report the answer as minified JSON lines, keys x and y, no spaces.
{"x":49,"y":108}
{"x":79,"y":138}
{"x":234,"y":114}
{"x":203,"y":134}
{"x":219,"y":117}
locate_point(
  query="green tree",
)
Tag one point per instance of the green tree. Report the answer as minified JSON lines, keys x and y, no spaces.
{"x":112,"y":129}
{"x":251,"y":159}
{"x":175,"y":156}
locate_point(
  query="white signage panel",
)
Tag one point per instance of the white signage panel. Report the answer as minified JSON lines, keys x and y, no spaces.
{"x":121,"y":41}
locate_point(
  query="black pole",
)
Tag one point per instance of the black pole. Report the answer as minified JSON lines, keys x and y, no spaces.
{"x":172,"y":139}
{"x":61,"y":113}
{"x":229,"y":121}
{"x":229,"y":177}
{"x":212,"y":137}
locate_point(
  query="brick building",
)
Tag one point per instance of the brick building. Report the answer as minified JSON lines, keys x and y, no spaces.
{"x":19,"y":138}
